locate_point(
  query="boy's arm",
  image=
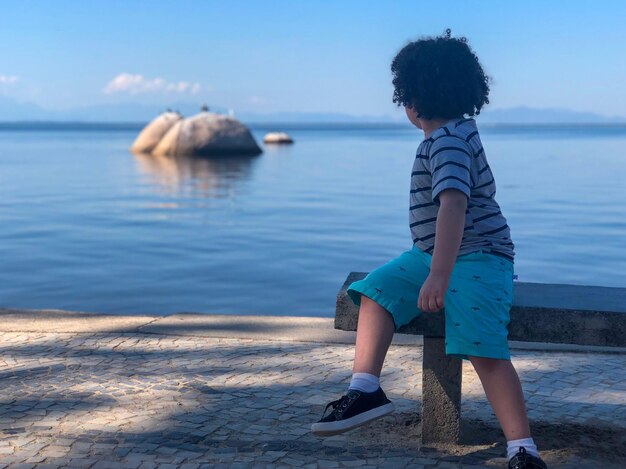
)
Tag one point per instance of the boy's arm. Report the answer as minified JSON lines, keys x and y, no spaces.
{"x":448,"y":236}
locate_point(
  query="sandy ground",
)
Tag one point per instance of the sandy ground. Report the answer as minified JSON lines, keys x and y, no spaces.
{"x":561,"y":445}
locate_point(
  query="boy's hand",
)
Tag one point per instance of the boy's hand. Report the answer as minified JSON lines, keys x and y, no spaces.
{"x":433,"y":292}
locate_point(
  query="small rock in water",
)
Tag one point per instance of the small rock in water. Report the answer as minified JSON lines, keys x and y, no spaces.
{"x":277,"y":137}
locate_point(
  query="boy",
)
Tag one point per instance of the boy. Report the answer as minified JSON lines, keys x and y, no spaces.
{"x":462,"y":253}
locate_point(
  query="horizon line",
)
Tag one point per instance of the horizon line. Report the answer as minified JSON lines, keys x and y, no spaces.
{"x":392,"y":123}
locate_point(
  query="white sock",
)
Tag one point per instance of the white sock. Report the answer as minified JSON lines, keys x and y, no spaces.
{"x":513,"y":446}
{"x":364,"y":382}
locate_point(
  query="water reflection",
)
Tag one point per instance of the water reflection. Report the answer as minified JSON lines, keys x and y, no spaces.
{"x":203,"y":176}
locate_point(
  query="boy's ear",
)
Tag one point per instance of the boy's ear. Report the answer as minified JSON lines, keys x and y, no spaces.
{"x":412,"y":115}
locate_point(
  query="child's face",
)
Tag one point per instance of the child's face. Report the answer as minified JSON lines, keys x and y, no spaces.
{"x":412,"y":115}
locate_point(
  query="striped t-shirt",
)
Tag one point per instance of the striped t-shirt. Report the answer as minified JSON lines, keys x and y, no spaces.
{"x":453,"y":158}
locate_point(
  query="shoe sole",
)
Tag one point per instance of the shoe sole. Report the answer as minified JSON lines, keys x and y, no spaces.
{"x":342,"y":426}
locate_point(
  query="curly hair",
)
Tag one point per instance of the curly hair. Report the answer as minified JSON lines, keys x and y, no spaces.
{"x":439,"y":77}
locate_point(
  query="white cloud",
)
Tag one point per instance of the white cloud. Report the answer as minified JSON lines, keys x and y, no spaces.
{"x":8,"y":79}
{"x":257,"y":100}
{"x":137,"y":84}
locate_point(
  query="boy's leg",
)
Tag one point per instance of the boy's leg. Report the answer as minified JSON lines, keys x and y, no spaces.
{"x":373,"y":337}
{"x":386,"y":296}
{"x":478,"y":305}
{"x":504,"y":391}
{"x":365,"y":400}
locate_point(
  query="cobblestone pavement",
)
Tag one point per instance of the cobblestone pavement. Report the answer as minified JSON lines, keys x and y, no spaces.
{"x":109,"y":400}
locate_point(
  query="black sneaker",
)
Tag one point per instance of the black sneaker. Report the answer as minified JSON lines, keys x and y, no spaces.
{"x":354,"y":409}
{"x":523,"y":460}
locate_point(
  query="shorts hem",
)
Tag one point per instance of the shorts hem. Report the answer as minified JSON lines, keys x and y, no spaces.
{"x":355,"y":291}
{"x":466,"y":351}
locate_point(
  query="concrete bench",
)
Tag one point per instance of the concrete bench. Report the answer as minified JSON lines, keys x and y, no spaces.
{"x":547,"y":313}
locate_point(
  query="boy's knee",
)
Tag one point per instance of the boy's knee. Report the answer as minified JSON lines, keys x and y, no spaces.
{"x":488,"y":364}
{"x":372,"y":309}
{"x":369,"y":304}
{"x":365,"y":300}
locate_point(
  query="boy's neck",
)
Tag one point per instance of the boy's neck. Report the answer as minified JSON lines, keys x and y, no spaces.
{"x":430,"y":125}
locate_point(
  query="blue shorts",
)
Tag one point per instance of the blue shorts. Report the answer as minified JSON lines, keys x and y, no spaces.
{"x":477,"y":303}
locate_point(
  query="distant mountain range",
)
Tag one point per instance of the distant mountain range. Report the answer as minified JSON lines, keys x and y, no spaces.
{"x":12,"y":111}
{"x":527,"y":115}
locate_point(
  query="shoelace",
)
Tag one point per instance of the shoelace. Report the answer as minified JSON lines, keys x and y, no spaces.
{"x":340,"y":404}
{"x":520,"y":462}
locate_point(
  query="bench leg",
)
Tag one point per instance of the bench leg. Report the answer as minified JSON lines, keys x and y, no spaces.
{"x":441,"y":394}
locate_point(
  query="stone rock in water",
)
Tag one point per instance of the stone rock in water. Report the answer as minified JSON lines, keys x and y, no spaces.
{"x":152,"y":133}
{"x":208,"y":134}
{"x":277,"y":137}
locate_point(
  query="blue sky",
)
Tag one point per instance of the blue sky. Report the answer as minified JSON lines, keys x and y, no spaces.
{"x":319,"y":56}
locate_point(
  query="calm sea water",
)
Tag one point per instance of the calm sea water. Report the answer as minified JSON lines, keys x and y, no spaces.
{"x":88,"y":226}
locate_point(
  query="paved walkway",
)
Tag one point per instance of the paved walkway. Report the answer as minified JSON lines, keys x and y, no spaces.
{"x":145,"y":400}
